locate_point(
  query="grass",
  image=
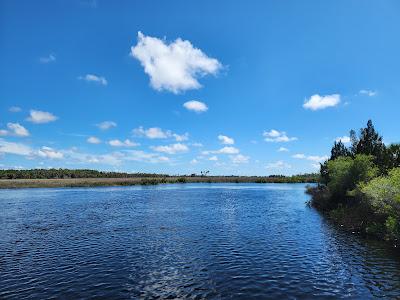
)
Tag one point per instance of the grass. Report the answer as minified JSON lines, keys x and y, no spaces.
{"x":93,"y":182}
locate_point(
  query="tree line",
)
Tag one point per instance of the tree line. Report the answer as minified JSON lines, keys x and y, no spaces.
{"x":360,"y":185}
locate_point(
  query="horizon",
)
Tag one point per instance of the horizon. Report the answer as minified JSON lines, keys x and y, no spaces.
{"x":100,"y":86}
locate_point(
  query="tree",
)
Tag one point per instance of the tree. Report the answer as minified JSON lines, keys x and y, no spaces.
{"x":339,"y":149}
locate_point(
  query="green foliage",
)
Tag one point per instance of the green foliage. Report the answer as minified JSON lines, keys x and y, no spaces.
{"x":345,"y":173}
{"x":360,"y":185}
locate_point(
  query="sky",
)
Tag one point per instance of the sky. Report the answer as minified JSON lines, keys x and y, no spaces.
{"x":180,"y":87}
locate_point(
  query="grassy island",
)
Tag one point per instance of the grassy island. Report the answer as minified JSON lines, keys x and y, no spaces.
{"x":359,"y":185}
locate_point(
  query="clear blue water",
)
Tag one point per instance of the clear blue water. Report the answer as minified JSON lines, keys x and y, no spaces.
{"x":213,"y":241}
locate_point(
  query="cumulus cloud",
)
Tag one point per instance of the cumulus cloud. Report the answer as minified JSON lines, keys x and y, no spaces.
{"x":118,"y":143}
{"x":106,"y":125}
{"x":48,"y":59}
{"x":174,"y":66}
{"x":94,"y":78}
{"x":368,"y":93}
{"x":41,"y":117}
{"x":14,"y":148}
{"x":279,"y":165}
{"x":15,"y":129}
{"x":141,"y":156}
{"x":228,"y":150}
{"x":158,"y":133}
{"x":194,"y":161}
{"x":213,"y":158}
{"x":239,"y":159}
{"x":93,"y":140}
{"x":195,"y":106}
{"x":316,"y":102}
{"x":314,"y":158}
{"x":226,"y":140}
{"x":345,"y":139}
{"x":283,"y":149}
{"x":14,"y":109}
{"x":171,"y":149}
{"x":47,"y":152}
{"x":277,"y":136}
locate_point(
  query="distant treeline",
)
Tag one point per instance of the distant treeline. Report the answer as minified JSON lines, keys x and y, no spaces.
{"x":85,"y":173}
{"x":70,"y":173}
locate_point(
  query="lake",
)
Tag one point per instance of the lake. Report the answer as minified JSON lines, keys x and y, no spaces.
{"x":214,"y":241}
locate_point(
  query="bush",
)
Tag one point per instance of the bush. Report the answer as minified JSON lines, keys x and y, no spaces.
{"x":345,"y":173}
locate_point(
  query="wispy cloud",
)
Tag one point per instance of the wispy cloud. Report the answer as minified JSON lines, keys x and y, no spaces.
{"x":317,"y":102}
{"x":171,"y":149}
{"x":48,"y":59}
{"x":175,"y":66}
{"x":106,"y":125}
{"x":15,"y":129}
{"x":277,"y":136}
{"x":239,"y":159}
{"x":278,"y":165}
{"x":14,"y":109}
{"x":314,"y":158}
{"x":283,"y":149}
{"x":94,"y":78}
{"x":369,"y":93}
{"x":119,"y":143}
{"x":93,"y":140}
{"x":158,"y":133}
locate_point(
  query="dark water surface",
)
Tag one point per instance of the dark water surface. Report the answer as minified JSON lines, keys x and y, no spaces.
{"x":230,"y":241}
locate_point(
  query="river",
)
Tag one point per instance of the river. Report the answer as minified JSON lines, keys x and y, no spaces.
{"x":197,"y":241}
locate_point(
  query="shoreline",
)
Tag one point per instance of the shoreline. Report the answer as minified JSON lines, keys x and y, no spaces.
{"x":94,"y":182}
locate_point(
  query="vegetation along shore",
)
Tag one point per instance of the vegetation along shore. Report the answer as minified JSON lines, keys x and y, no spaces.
{"x":359,"y":185}
{"x":39,"y":178}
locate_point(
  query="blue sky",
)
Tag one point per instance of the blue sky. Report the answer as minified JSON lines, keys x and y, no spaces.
{"x":234,"y":87}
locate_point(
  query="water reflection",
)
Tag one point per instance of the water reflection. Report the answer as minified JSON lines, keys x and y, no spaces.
{"x":236,"y":241}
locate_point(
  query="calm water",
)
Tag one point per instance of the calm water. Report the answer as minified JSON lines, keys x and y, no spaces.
{"x":229,"y":241}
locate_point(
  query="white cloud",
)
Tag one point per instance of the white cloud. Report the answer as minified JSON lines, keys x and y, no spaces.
{"x":314,"y":158}
{"x":41,"y":117}
{"x":224,"y":150}
{"x":228,"y":150}
{"x":158,"y":133}
{"x":14,"y":109}
{"x":239,"y":159}
{"x":345,"y":139}
{"x":93,"y":140}
{"x":226,"y":140}
{"x":118,"y":143}
{"x":94,"y":78}
{"x":213,"y":158}
{"x":141,"y":156}
{"x":277,"y":136}
{"x":280,"y":165}
{"x":106,"y":125}
{"x":171,"y":149}
{"x":194,"y":161}
{"x":316,"y":102}
{"x":48,"y":59}
{"x":17,"y":129}
{"x":283,"y":149}
{"x":3,"y":132}
{"x":14,"y":148}
{"x":47,"y":152}
{"x":316,"y":166}
{"x":181,"y":138}
{"x":174,"y":67}
{"x":195,"y":106}
{"x":368,"y":93}
{"x":197,"y":144}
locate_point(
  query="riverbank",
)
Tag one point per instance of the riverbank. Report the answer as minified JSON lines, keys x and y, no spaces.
{"x":93,"y":182}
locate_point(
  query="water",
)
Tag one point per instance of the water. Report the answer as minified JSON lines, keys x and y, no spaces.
{"x":214,"y":241}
